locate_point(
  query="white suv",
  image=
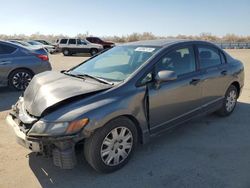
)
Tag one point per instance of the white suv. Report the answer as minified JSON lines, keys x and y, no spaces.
{"x":70,"y":46}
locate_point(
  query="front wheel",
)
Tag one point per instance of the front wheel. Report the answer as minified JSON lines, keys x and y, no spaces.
{"x":111,"y":147}
{"x":229,"y":102}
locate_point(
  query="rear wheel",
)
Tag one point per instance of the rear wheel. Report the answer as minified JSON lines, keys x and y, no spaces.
{"x":19,"y":79}
{"x":111,"y":147}
{"x":93,"y":51}
{"x":66,"y":52}
{"x":229,"y":102}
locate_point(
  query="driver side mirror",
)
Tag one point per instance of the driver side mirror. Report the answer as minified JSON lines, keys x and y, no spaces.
{"x":165,"y":75}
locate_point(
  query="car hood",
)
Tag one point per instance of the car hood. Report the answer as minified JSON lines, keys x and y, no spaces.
{"x":48,"y":89}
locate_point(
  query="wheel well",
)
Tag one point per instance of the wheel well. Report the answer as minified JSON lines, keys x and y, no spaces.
{"x":130,"y":117}
{"x":93,"y":49}
{"x":237,"y":85}
{"x":139,"y":131}
{"x":21,"y":68}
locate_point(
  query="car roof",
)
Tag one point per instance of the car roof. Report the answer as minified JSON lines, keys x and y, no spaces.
{"x":12,"y":44}
{"x":165,"y":42}
{"x":8,"y":42}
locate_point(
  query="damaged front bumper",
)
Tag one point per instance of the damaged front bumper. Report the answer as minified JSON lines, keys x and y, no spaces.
{"x":21,"y":137}
{"x":62,"y":149}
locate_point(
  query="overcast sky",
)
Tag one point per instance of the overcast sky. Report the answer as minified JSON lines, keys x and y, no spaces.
{"x":114,"y":17}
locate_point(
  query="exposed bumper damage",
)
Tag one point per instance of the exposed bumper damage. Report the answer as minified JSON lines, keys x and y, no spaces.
{"x":34,"y":106}
{"x":21,"y":137}
{"x":60,"y":148}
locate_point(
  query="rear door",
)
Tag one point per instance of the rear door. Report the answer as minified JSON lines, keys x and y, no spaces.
{"x":214,"y":73}
{"x":82,"y":46}
{"x":72,"y":46}
{"x":6,"y":61}
{"x":174,"y":100}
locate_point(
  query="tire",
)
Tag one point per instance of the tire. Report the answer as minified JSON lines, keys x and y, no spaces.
{"x":19,"y":79}
{"x":93,"y":51}
{"x":116,"y":152}
{"x":66,"y":52}
{"x":229,"y":101}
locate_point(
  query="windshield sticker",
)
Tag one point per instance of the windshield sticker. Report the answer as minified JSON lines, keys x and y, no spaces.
{"x":144,"y":49}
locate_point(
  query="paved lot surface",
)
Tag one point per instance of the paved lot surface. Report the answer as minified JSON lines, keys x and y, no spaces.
{"x":206,"y":152}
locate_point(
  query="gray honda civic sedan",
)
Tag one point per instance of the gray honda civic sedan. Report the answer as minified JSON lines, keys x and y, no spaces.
{"x":18,"y":64}
{"x":123,"y":97}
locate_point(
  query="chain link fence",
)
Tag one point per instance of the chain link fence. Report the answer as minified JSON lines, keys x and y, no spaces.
{"x":233,"y":45}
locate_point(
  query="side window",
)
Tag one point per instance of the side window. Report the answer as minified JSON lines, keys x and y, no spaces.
{"x":208,"y":57}
{"x":72,"y":41}
{"x":63,"y":41}
{"x":97,"y":40}
{"x":79,"y":41}
{"x":90,"y":39}
{"x":94,"y":40}
{"x":6,"y":49}
{"x":181,"y":61}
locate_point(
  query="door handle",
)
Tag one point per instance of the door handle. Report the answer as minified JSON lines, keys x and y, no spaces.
{"x":195,"y":81}
{"x":224,"y":72}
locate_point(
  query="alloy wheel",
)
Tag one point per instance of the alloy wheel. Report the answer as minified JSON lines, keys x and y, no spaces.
{"x":21,"y":80}
{"x":231,"y":100}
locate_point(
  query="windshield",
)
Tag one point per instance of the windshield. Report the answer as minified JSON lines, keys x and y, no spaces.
{"x":44,"y":42}
{"x":116,"y":64}
{"x":85,"y":41}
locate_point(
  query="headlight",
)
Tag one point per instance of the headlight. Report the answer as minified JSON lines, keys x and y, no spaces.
{"x":42,"y":128}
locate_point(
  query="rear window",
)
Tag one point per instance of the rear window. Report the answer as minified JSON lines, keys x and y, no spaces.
{"x":6,"y":49}
{"x":63,"y":41}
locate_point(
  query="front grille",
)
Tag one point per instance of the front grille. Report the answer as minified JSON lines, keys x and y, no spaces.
{"x":23,"y":127}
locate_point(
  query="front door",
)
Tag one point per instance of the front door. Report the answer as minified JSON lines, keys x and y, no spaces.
{"x":175,"y":99}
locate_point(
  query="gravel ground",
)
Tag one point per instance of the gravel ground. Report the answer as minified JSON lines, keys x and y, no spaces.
{"x":206,"y":152}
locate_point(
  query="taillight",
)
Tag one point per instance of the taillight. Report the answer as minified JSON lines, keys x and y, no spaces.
{"x":42,"y":57}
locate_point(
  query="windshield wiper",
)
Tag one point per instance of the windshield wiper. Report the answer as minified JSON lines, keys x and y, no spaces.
{"x":89,"y":76}
{"x":73,"y":75}
{"x":96,"y":78}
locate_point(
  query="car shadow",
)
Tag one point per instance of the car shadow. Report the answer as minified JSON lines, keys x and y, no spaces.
{"x":8,"y":97}
{"x":82,"y":55}
{"x":198,"y":154}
